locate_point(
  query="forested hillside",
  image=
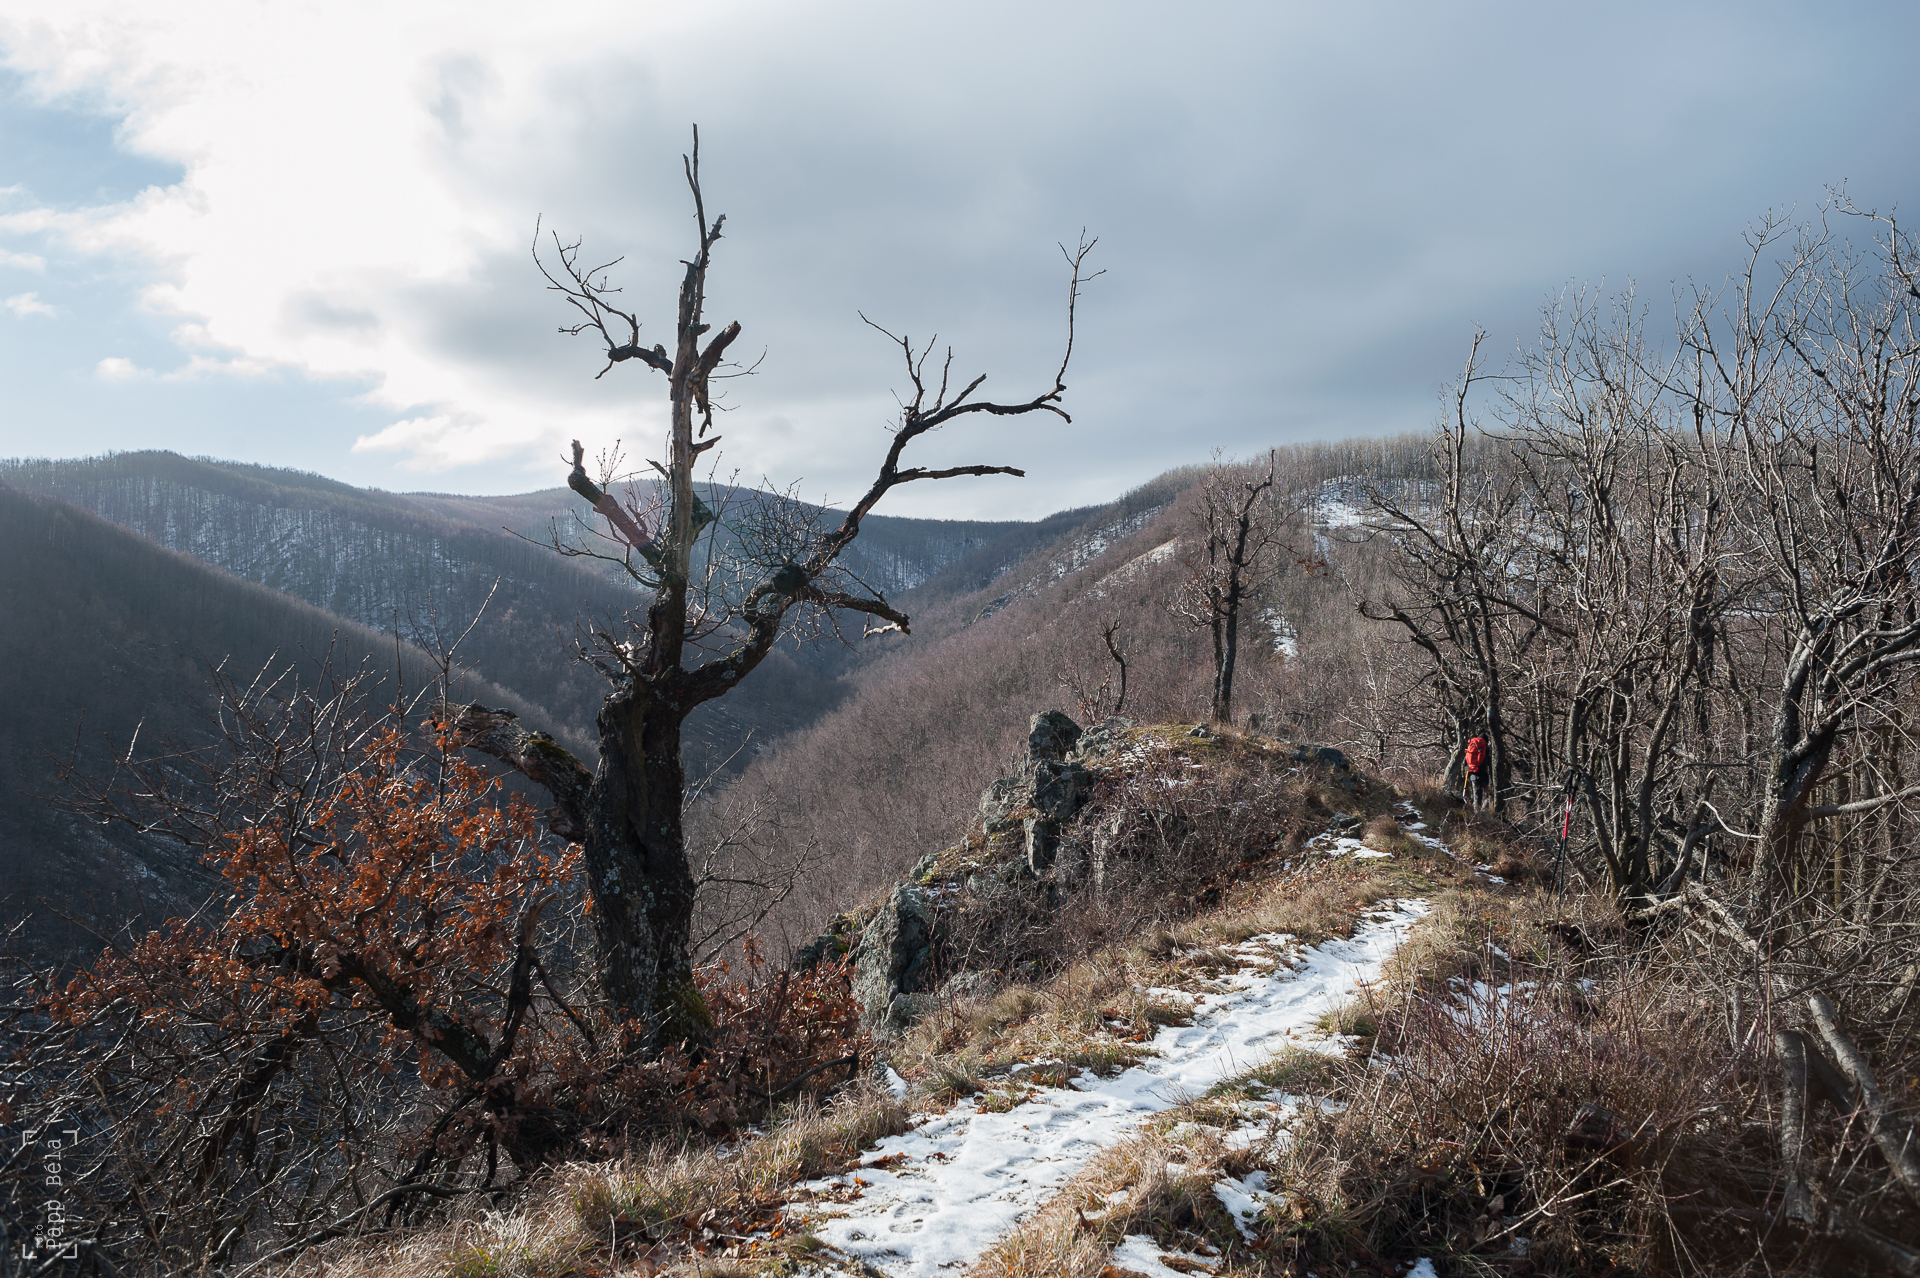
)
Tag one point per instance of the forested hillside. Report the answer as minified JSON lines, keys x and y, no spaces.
{"x":109,"y":637}
{"x":935,"y":714}
{"x":424,"y":566}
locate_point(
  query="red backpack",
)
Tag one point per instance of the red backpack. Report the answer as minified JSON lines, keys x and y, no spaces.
{"x":1477,"y":755}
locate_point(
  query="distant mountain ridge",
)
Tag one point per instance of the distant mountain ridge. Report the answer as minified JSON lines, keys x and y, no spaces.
{"x":411,"y":563}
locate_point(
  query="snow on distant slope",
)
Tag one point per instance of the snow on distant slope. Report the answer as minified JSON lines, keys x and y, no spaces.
{"x":1345,"y":502}
{"x":1286,"y":638}
{"x":1136,"y":565}
{"x":936,"y":1198}
{"x":1076,"y":555}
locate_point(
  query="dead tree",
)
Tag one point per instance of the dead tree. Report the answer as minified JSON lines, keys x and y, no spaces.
{"x":1099,"y":700}
{"x":1239,"y":535}
{"x":1817,"y":385}
{"x":716,"y":607}
{"x":1450,"y":591}
{"x":1625,"y":570}
{"x":1568,"y":584}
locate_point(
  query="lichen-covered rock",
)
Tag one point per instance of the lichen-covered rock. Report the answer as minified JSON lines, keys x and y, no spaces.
{"x":1103,"y":738}
{"x":1059,"y":789}
{"x":1043,"y":840}
{"x":1000,"y":800}
{"x":1334,"y":761}
{"x":893,"y":961}
{"x":970,"y":985}
{"x":1047,"y":790}
{"x":1101,"y":842}
{"x":1051,"y":735}
{"x":829,"y":947}
{"x":1328,"y":757}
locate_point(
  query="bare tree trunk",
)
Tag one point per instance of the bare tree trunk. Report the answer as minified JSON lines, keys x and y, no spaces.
{"x":1241,"y":535}
{"x":702,"y":634}
{"x":1793,"y":1121}
{"x":636,"y":860}
{"x":1229,"y":657}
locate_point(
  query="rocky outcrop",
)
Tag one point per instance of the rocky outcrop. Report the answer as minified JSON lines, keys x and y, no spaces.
{"x":893,"y":960}
{"x":1338,"y":768}
{"x":894,"y":950}
{"x":893,"y":953}
{"x":998,"y":803}
{"x":1055,"y":791}
{"x":1051,"y":736}
{"x":1051,"y":786}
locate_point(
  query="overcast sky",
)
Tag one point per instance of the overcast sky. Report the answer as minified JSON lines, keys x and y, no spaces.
{"x":297,"y":234}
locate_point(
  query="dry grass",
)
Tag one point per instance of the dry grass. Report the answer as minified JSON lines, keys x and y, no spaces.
{"x":1428,"y":797}
{"x":1486,"y":840}
{"x":1149,"y":1184}
{"x":1160,"y":1182}
{"x":670,"y":1210}
{"x":1592,"y":1117}
{"x":1312,"y":904}
{"x":1295,"y":1071}
{"x":1471,"y":933}
{"x":1352,"y":1018}
{"x":1525,"y":1119}
{"x":1384,"y":834}
{"x":1597,"y":1110}
{"x":1096,"y":1015}
{"x":1582,"y":1123}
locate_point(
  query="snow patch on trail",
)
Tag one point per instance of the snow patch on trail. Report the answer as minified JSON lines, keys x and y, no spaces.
{"x":1140,"y":1254}
{"x":934,"y":1199}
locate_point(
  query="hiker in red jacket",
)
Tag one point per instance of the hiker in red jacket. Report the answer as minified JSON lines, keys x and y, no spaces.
{"x":1476,"y":770}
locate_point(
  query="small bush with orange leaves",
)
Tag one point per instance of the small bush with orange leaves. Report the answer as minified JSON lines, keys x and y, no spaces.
{"x":381,"y":1005}
{"x":403,"y":894}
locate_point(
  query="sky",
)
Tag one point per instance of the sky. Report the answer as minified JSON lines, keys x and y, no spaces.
{"x":298,"y":233}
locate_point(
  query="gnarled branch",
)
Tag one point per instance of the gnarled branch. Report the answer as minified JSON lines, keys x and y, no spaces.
{"x":534,"y":755}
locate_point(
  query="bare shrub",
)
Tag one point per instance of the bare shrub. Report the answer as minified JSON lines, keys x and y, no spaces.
{"x":1544,"y":1099}
{"x":1159,"y":842}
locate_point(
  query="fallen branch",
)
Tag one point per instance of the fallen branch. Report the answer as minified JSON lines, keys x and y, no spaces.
{"x":1793,"y":1121}
{"x":1894,"y":1137}
{"x":790,"y":1088}
{"x":1900,"y":1258}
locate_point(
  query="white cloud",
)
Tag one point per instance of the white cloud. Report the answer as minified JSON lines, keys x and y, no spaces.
{"x":1304,"y":209}
{"x":443,"y":441}
{"x":342,"y":168}
{"x":25,"y":304}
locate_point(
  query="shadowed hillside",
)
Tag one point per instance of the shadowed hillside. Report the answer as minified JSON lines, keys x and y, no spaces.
{"x":107,"y":635}
{"x":416,"y":563}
